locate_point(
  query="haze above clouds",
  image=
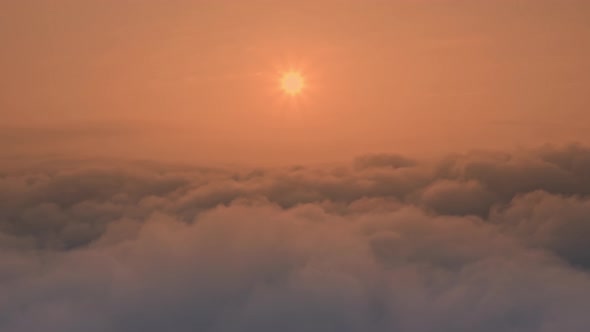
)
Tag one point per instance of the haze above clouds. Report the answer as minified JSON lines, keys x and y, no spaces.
{"x":197,"y":81}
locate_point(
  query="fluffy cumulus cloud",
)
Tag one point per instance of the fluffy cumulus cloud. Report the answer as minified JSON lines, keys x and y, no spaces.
{"x":475,"y":242}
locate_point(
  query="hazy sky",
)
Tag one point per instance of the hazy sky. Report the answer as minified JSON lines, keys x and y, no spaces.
{"x":198,"y":80}
{"x":370,"y":201}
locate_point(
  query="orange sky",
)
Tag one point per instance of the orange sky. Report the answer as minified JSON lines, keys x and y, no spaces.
{"x":199,"y":80}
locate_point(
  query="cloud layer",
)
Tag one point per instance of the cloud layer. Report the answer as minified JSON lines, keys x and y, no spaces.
{"x":486,"y":241}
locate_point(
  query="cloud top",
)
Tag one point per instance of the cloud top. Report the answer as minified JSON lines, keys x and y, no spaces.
{"x":476,"y":242}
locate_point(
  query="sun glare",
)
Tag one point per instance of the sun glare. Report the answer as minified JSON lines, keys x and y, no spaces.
{"x":292,"y":83}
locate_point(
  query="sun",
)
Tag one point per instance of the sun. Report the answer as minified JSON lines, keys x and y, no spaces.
{"x":292,"y":83}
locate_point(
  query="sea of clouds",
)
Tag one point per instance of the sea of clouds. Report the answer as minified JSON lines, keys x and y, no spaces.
{"x":478,"y":242}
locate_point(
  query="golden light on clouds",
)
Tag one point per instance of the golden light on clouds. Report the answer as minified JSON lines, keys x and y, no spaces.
{"x":292,"y":83}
